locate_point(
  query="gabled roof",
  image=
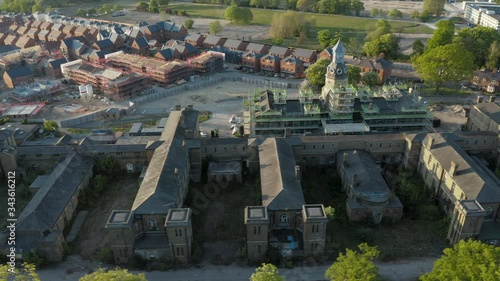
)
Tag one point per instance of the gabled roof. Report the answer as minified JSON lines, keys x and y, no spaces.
{"x":141,"y":42}
{"x":491,"y":109}
{"x":212,"y":40}
{"x":277,"y":50}
{"x":23,"y":41}
{"x":152,"y":28}
{"x":160,"y":188}
{"x":45,"y":208}
{"x":379,"y":64}
{"x":20,"y":71}
{"x":193,"y":37}
{"x":7,"y":49}
{"x":254,"y":47}
{"x":114,"y":37}
{"x":166,"y":54}
{"x":165,"y":25}
{"x":303,"y":53}
{"x":291,"y":60}
{"x":270,"y":57}
{"x":232,"y":43}
{"x":72,"y":44}
{"x":104,"y":43}
{"x":281,"y":188}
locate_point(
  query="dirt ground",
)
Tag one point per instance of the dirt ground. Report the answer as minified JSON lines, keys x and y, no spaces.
{"x":451,"y":117}
{"x":93,"y":236}
{"x":404,"y":6}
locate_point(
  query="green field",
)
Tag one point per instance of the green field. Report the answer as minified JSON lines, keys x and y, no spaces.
{"x":346,"y":24}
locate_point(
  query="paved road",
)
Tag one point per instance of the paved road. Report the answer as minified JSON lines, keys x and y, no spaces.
{"x":402,"y":270}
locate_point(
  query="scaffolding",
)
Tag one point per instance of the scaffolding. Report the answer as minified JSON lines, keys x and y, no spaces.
{"x":209,"y":62}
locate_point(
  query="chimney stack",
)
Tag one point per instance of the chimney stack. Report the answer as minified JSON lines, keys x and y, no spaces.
{"x":345,"y":158}
{"x":453,"y":168}
{"x":430,"y":142}
{"x":178,"y":107}
{"x":479,"y":99}
{"x":492,"y":98}
{"x":298,"y":173}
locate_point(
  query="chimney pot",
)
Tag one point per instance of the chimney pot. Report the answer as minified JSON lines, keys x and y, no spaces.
{"x":453,"y":168}
{"x":430,"y":142}
{"x":298,"y":173}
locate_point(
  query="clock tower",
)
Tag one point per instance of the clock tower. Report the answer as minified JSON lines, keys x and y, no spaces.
{"x":336,"y":71}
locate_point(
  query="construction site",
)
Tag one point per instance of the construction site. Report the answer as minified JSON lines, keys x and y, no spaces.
{"x":209,"y":62}
{"x":112,"y":83}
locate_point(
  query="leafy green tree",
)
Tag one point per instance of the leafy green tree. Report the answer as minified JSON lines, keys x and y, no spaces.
{"x":188,"y":23}
{"x":81,"y":13}
{"x":443,"y":35}
{"x":382,"y":27}
{"x":306,"y":5}
{"x":91,"y":11}
{"x":107,"y":8}
{"x":324,"y":38}
{"x":215,"y":27}
{"x":291,"y":4}
{"x":38,"y":8}
{"x":494,"y":55}
{"x":107,"y":166}
{"x":24,"y":273}
{"x":434,"y":7}
{"x":326,"y":6}
{"x":467,"y":260}
{"x":354,"y":73}
{"x":444,"y":64}
{"x":387,"y":44}
{"x":354,"y":265}
{"x":50,"y":125}
{"x":336,"y":37}
{"x":142,"y":6}
{"x":236,"y":14}
{"x":357,"y":6}
{"x":267,"y":272}
{"x":374,"y":12}
{"x":415,"y":15}
{"x":117,"y":8}
{"x":153,"y":6}
{"x":330,"y":213}
{"x":115,"y":274}
{"x":371,"y":79}
{"x":395,"y":14}
{"x":477,"y":41}
{"x":355,"y":46}
{"x":316,"y":72}
{"x":289,"y":24}
{"x":418,"y":47}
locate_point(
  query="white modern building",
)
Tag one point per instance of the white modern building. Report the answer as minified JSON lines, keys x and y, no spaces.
{"x":482,"y":13}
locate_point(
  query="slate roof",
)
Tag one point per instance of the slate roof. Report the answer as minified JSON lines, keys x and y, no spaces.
{"x":379,"y":64}
{"x":44,"y":209}
{"x":104,"y":43}
{"x":475,"y":180}
{"x":277,"y":50}
{"x":212,"y":40}
{"x":303,"y":53}
{"x":167,"y":53}
{"x":193,"y":37}
{"x":491,"y":109}
{"x":72,"y":44}
{"x":19,"y":72}
{"x":160,"y":185}
{"x":281,"y":189}
{"x":8,"y":48}
{"x":141,"y":42}
{"x":232,"y":43}
{"x":292,"y":60}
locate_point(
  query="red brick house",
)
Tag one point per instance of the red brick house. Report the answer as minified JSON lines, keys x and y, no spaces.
{"x":152,"y":32}
{"x":36,"y":24}
{"x":326,"y":54}
{"x":58,"y":26}
{"x":81,"y":31}
{"x":13,"y":29}
{"x":184,"y":49}
{"x":488,"y":81}
{"x":25,"y":42}
{"x":69,"y":30}
{"x":46,"y":25}
{"x":235,"y":45}
{"x":43,"y":35}
{"x":380,"y":66}
{"x":104,"y":45}
{"x":169,"y":30}
{"x":2,"y":38}
{"x":257,"y":49}
{"x":281,"y":52}
{"x":250,"y":62}
{"x":168,"y":54}
{"x":33,"y":33}
{"x":212,"y":41}
{"x":305,"y":55}
{"x":140,"y":46}
{"x":291,"y":67}
{"x":22,"y":30}
{"x":53,"y":68}
{"x":18,"y":76}
{"x":118,"y":40}
{"x":56,"y":35}
{"x":270,"y":64}
{"x":195,"y":40}
{"x":10,"y":40}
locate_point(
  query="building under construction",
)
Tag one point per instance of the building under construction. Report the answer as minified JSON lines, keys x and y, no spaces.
{"x":112,"y":83}
{"x":160,"y":71}
{"x":209,"y":62}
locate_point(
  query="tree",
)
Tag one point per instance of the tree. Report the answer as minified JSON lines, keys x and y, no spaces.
{"x":115,"y":274}
{"x":382,"y":27}
{"x":91,"y":11}
{"x":336,"y":37}
{"x":153,"y":6}
{"x":395,"y":14}
{"x":354,"y":265}
{"x":434,"y":7}
{"x":330,"y":213}
{"x":291,"y":4}
{"x":387,"y":44}
{"x":142,"y":7}
{"x":163,"y":2}
{"x":442,"y":35}
{"x":188,"y":23}
{"x":494,"y":55}
{"x":371,"y":79}
{"x":107,"y":166}
{"x":418,"y":48}
{"x":24,"y":273}
{"x":107,"y":8}
{"x":50,"y":125}
{"x":289,"y":24}
{"x":38,"y":8}
{"x":239,"y":15}
{"x":467,"y":260}
{"x":117,"y":8}
{"x":374,"y":12}
{"x":215,"y":27}
{"x":415,"y":15}
{"x":443,"y":64}
{"x":306,"y":5}
{"x":266,"y":272}
{"x":357,"y":6}
{"x":355,"y":46}
{"x":81,"y":13}
{"x":324,"y":37}
{"x":316,"y":72}
{"x":354,"y":73}
{"x":477,"y":41}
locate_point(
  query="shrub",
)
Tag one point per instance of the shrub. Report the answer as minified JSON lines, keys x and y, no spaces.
{"x":35,"y":258}
{"x":137,"y":262}
{"x":168,"y":11}
{"x":106,"y":255}
{"x":188,"y":23}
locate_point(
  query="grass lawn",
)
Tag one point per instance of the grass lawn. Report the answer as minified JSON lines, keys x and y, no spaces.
{"x":407,"y":238}
{"x":347,"y":24}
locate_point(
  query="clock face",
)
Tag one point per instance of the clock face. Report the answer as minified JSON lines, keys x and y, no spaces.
{"x":339,"y":71}
{"x":332,"y":70}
